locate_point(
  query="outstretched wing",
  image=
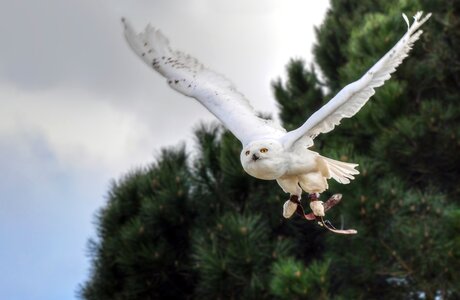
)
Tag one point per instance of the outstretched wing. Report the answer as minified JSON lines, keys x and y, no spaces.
{"x":189,"y":77}
{"x":352,"y":97}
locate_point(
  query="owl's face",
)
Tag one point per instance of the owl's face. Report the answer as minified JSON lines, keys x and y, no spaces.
{"x":264,"y":159}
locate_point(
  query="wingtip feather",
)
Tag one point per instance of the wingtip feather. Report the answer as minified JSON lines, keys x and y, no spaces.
{"x":126,"y":24}
{"x":418,"y":21}
{"x":407,"y":20}
{"x":129,"y":33}
{"x":418,"y":15}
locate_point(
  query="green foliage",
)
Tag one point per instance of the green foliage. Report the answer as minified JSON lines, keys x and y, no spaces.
{"x":143,"y":231}
{"x":234,"y":258}
{"x":333,"y":36}
{"x":205,"y":230}
{"x":403,"y":235}
{"x":302,"y":86}
{"x":405,"y":140}
{"x":234,"y":246}
{"x":293,"y":280}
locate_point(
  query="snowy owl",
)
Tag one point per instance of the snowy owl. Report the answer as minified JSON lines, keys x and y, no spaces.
{"x":269,"y":152}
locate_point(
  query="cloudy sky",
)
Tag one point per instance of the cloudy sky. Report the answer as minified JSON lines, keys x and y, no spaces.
{"x":78,"y":109}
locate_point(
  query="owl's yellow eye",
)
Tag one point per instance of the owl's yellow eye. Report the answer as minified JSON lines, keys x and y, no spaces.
{"x":263,"y":150}
{"x":247,"y":152}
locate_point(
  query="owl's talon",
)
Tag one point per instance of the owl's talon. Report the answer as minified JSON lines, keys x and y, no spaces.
{"x":330,"y":203}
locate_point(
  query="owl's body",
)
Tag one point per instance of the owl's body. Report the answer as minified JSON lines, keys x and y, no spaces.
{"x":295,"y":169}
{"x":269,"y":152}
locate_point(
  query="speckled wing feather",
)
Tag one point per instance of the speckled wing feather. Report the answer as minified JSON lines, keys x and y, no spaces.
{"x":351,"y":98}
{"x":189,"y":77}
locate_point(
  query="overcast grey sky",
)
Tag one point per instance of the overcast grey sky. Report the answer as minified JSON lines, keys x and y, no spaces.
{"x":79,"y":108}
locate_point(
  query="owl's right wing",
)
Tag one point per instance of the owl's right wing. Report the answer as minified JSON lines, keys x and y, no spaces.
{"x":189,"y":77}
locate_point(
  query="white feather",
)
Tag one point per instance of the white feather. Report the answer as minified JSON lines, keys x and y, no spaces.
{"x":341,"y":171}
{"x":189,"y":77}
{"x":352,"y":97}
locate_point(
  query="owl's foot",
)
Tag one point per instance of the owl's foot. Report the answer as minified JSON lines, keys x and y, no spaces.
{"x":291,"y":206}
{"x":316,"y":206}
{"x":330,"y":203}
{"x":323,"y":207}
{"x":319,"y":208}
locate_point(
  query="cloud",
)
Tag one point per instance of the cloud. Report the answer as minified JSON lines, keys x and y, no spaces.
{"x":82,"y":129}
{"x":58,"y":150}
{"x":45,"y":219}
{"x":78,"y":108}
{"x":52,"y":43}
{"x":67,"y":72}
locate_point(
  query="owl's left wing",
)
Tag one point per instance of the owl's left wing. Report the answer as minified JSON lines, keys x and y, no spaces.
{"x":190,"y":78}
{"x":352,"y":97}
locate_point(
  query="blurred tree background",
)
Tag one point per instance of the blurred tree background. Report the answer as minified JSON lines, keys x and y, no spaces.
{"x":200,"y":228}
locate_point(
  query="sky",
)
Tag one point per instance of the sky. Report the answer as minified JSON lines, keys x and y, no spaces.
{"x":79,"y":109}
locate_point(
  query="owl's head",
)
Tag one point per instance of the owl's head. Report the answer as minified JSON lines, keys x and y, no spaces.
{"x":264,"y":159}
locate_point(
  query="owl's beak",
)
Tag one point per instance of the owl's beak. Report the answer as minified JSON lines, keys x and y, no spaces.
{"x":255,"y":157}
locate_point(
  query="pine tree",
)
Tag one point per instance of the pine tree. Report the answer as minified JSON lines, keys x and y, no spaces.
{"x":204,"y":230}
{"x":143,"y":250}
{"x":406,"y":140}
{"x":240,"y":230}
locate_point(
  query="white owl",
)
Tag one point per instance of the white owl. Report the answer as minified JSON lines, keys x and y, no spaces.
{"x":269,"y":152}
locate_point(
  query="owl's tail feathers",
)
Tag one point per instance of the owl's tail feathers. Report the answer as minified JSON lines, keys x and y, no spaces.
{"x":341,"y":171}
